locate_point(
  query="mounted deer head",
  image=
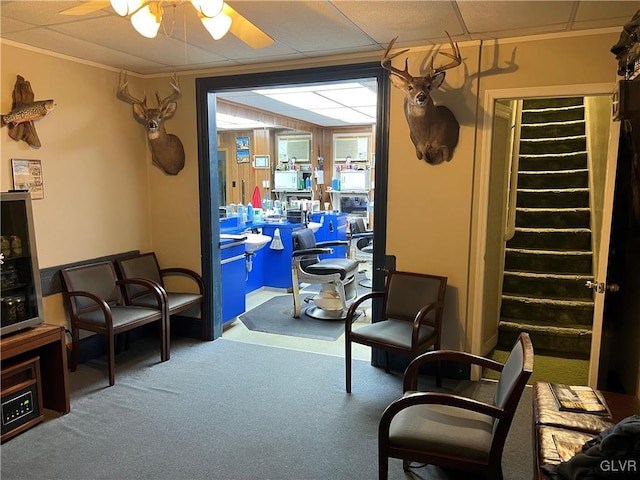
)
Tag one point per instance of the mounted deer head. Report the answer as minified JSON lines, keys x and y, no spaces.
{"x":433,"y":128}
{"x":167,"y":152}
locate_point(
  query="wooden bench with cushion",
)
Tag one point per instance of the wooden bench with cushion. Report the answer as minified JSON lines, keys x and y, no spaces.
{"x":552,"y":426}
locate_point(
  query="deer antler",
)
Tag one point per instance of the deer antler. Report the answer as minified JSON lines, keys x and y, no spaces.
{"x":457,"y":58}
{"x":171,"y":97}
{"x":386,"y":62}
{"x":124,"y":95}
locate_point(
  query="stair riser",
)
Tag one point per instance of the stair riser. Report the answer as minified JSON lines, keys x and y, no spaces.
{"x":567,"y":199}
{"x":548,"y":263}
{"x":578,"y":346}
{"x":554,"y":146}
{"x":567,"y":219}
{"x":554,"y":180}
{"x":549,"y":164}
{"x":532,"y":103}
{"x":553,"y":116}
{"x":574,"y":241}
{"x":548,"y":314}
{"x":552,"y":131}
{"x":571,"y":289}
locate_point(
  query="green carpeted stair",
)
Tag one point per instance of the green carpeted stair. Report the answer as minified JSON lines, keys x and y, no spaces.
{"x":549,"y":258}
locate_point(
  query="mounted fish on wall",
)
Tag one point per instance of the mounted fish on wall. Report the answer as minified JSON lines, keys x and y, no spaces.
{"x":24,"y":111}
{"x":167,"y":152}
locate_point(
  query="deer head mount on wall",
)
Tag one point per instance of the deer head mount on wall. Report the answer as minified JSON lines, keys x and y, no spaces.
{"x":433,"y":128}
{"x":167,"y":152}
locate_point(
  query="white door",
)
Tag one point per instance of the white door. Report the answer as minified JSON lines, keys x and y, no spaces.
{"x":600,"y":274}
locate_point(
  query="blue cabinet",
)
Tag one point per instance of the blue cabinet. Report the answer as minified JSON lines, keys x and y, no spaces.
{"x":277,"y":263}
{"x":233,"y":279}
{"x":255,"y":276}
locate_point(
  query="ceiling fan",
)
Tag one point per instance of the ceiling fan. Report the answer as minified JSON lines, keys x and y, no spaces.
{"x":146,"y":16}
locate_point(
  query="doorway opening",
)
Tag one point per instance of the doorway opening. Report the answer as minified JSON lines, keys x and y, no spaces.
{"x":276,"y":146}
{"x":547,"y":191}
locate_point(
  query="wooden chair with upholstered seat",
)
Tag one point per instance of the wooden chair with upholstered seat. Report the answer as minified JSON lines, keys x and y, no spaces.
{"x":453,"y":431}
{"x":94,"y":300}
{"x":145,"y":265}
{"x":411,"y":318}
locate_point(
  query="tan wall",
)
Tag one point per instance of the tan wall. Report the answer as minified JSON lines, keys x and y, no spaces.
{"x":429,"y":207}
{"x":103,"y":196}
{"x":94,"y":162}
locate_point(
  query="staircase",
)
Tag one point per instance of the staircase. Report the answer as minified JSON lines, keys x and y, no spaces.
{"x":549,"y":259}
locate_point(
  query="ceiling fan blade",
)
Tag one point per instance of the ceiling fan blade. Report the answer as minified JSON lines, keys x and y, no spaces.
{"x":86,"y":7}
{"x":247,"y":31}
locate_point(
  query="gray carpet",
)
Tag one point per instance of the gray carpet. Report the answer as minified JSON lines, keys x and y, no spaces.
{"x":228,"y":410}
{"x":276,"y":316}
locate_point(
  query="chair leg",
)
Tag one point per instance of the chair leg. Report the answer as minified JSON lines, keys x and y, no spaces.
{"x":383,"y":467}
{"x":347,"y":362}
{"x":165,"y":338}
{"x":111,"y":358}
{"x":203,"y":323}
{"x":386,"y":361}
{"x":297,"y":305}
{"x":406,"y":464}
{"x":75,"y":343}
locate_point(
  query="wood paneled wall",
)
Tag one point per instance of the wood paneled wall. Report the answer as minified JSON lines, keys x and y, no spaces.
{"x":263,"y":142}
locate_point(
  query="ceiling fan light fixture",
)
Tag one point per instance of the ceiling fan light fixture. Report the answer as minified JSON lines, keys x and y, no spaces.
{"x":217,"y":26}
{"x":208,"y":8}
{"x":126,"y":7}
{"x":147,"y":20}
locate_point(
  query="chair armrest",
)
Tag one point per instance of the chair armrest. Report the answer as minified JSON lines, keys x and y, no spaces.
{"x":332,"y":243}
{"x":419,"y":320}
{"x":157,"y":291}
{"x":362,"y":235}
{"x":351,"y":312}
{"x":185,"y":272}
{"x":436,"y":398}
{"x":410,"y":380}
{"x":100,"y":304}
{"x":311,"y":251}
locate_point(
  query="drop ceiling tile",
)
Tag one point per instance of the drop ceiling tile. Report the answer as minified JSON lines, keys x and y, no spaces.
{"x":162,"y":49}
{"x":411,"y":21}
{"x":607,"y":11}
{"x":306,"y":27}
{"x":45,"y":12}
{"x":42,"y":38}
{"x":10,"y":25}
{"x":496,"y":16}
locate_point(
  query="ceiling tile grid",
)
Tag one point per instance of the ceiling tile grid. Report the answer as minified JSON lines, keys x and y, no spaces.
{"x":301,"y":30}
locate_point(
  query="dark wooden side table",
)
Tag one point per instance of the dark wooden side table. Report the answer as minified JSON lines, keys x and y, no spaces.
{"x":49,"y":343}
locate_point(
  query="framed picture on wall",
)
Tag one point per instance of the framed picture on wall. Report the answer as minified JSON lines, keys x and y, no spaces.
{"x":242,"y":143}
{"x":242,"y":156}
{"x":242,"y":150}
{"x":27,"y":175}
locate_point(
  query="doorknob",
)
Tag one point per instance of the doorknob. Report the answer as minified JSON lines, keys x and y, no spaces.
{"x":601,"y":287}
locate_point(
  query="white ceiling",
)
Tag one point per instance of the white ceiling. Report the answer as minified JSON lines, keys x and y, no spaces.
{"x":302,"y":30}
